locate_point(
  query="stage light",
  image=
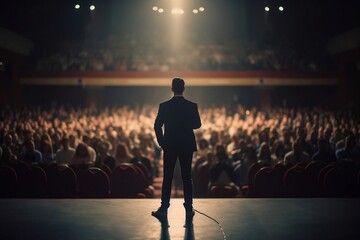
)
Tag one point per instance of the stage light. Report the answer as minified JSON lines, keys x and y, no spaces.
{"x":195,"y":11}
{"x":160,"y":10}
{"x":177,"y":11}
{"x":267,"y":9}
{"x":92,"y":7}
{"x":201,"y":9}
{"x":155,"y":8}
{"x":77,"y":6}
{"x":281,"y":8}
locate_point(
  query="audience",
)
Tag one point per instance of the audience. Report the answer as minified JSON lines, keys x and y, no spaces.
{"x":122,"y":154}
{"x":222,"y":173}
{"x":30,"y":154}
{"x":66,"y":153}
{"x":296,"y":155}
{"x":349,"y":152}
{"x":82,"y":156}
{"x":139,"y":159}
{"x":104,"y":157}
{"x":230,"y":140}
{"x":133,"y":55}
{"x":324,"y":153}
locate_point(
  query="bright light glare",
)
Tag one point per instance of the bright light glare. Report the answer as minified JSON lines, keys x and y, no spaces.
{"x":155,"y":8}
{"x":92,"y":7}
{"x":201,"y":9}
{"x":177,"y":11}
{"x":267,"y":9}
{"x":77,"y":6}
{"x":195,"y":11}
{"x":160,"y":10}
{"x":281,"y":8}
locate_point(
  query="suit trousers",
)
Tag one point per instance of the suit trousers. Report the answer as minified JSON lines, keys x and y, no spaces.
{"x":185,"y":159}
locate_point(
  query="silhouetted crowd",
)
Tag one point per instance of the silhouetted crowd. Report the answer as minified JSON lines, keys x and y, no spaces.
{"x":127,"y":54}
{"x":230,"y":142}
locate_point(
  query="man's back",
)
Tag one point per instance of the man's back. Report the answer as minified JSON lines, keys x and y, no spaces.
{"x":179,"y":117}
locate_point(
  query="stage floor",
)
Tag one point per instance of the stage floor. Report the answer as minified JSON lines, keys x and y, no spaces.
{"x":131,"y":219}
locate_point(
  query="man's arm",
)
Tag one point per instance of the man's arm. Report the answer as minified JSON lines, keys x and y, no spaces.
{"x":197,"y":120}
{"x":159,"y":122}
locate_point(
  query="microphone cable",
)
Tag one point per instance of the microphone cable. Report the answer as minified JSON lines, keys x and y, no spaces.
{"x":221,"y":228}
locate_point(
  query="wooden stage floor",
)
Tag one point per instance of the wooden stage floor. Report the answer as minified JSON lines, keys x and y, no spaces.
{"x":131,"y":219}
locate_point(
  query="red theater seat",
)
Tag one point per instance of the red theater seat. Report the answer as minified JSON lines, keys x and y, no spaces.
{"x":94,"y":183}
{"x":294,"y":182}
{"x":62,"y":181}
{"x":201,"y":180}
{"x":335,"y":182}
{"x":311,"y":175}
{"x":126,"y":182}
{"x":23,"y":173}
{"x":264,"y":183}
{"x":8,"y":182}
{"x":38,"y":182}
{"x":279,"y":171}
{"x":254,"y":168}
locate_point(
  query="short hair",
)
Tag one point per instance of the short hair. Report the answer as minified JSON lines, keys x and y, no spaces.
{"x":178,"y":85}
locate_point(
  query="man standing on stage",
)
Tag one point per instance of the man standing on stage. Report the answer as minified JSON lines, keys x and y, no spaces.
{"x":179,"y":117}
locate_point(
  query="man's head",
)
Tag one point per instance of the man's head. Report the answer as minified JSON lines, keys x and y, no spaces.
{"x":178,"y":85}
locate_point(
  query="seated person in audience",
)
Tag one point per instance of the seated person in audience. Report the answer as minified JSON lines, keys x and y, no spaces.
{"x":7,"y":157}
{"x":264,"y":155}
{"x":341,"y":143}
{"x":242,"y":169}
{"x":103,"y":156}
{"x":66,"y":153}
{"x":296,"y":155}
{"x":47,"y":152}
{"x":327,"y":137}
{"x":31,"y":155}
{"x":82,"y":156}
{"x":140,"y":159}
{"x":324,"y":154}
{"x":287,"y":140}
{"x":10,"y":141}
{"x":301,"y":138}
{"x":233,"y":145}
{"x":279,"y":152}
{"x":203,"y":148}
{"x":55,"y":139}
{"x":87,"y":141}
{"x":239,"y":151}
{"x":314,"y":139}
{"x":337,"y":136}
{"x":222,"y":172}
{"x":348,"y":152}
{"x":122,"y":154}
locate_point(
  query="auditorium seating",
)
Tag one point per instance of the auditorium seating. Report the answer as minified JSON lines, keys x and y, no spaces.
{"x":126,"y":183}
{"x":62,"y":181}
{"x":314,"y":179}
{"x":201,"y":179}
{"x":23,"y":172}
{"x":265,"y":183}
{"x":254,"y":168}
{"x":294,"y":182}
{"x":8,"y":182}
{"x":38,"y":182}
{"x":94,"y":183}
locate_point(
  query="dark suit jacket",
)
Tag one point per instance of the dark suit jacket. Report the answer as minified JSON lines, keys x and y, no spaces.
{"x":179,"y":117}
